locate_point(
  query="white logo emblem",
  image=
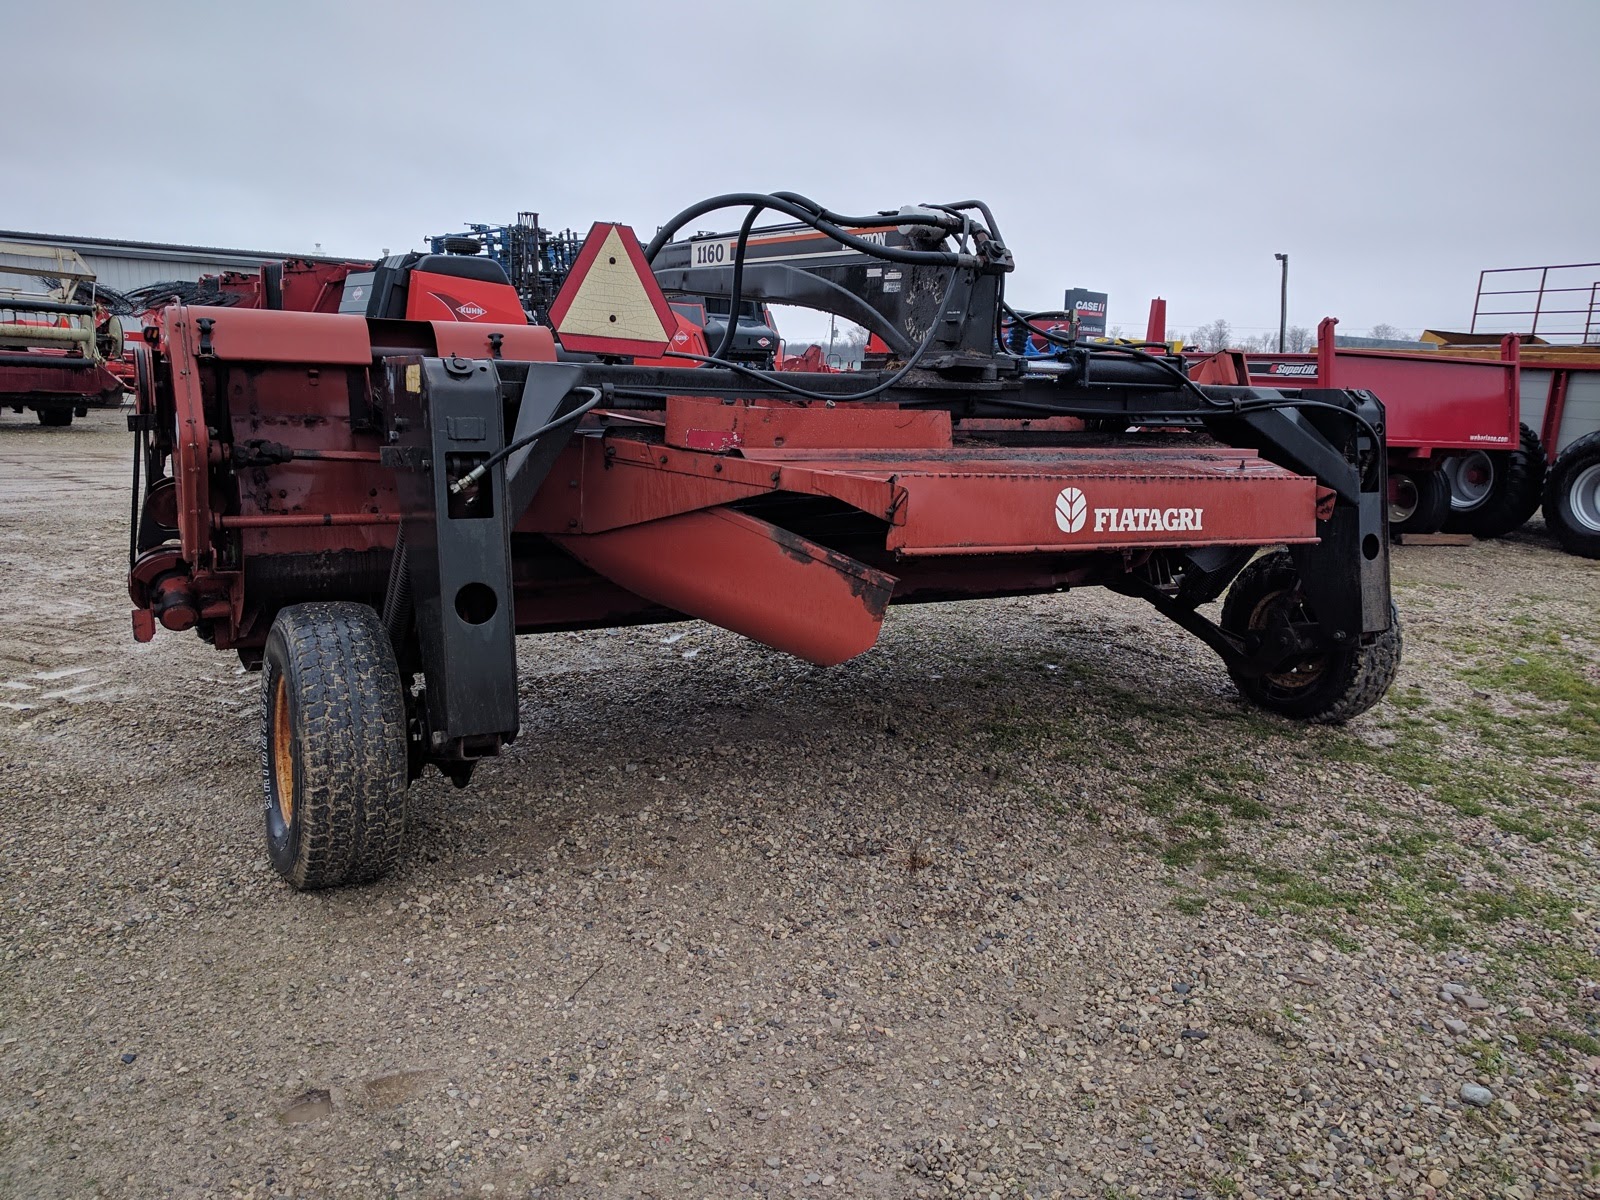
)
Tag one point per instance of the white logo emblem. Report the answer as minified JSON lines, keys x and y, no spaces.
{"x":471,"y":309}
{"x":1071,"y":510}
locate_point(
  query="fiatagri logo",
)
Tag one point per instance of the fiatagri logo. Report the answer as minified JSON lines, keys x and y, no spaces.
{"x":1072,"y":510}
{"x":1072,"y":514}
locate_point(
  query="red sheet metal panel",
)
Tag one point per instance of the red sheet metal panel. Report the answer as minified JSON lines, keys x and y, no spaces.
{"x":1000,"y":501}
{"x":600,"y":484}
{"x":748,"y":576}
{"x":701,"y":423}
{"x":963,"y":500}
{"x":522,"y":343}
{"x":267,"y":335}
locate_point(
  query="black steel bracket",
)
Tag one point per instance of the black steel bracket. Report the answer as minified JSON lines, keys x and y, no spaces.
{"x":446,"y":417}
{"x":546,"y":394}
{"x":1259,"y":653}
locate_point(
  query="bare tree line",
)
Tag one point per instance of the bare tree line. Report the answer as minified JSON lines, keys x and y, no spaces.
{"x":1219,"y":335}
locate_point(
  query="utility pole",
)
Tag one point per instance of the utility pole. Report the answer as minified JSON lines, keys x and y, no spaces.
{"x":1283,"y":302}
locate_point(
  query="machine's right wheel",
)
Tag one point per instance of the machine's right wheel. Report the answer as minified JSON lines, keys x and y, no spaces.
{"x":1419,"y":501}
{"x":1572,"y":497}
{"x":54,"y":418}
{"x":1329,"y":687}
{"x":334,"y":749}
{"x":1493,"y":492}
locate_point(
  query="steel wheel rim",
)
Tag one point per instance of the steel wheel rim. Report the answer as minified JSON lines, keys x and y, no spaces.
{"x":282,"y":756}
{"x":1302,"y":672}
{"x":1472,"y":480}
{"x":1583,"y":497}
{"x":1403,"y":498}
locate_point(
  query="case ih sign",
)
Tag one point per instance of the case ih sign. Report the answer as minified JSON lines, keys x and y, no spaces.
{"x":1090,"y":309}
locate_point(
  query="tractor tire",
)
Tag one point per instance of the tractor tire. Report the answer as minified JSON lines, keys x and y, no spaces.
{"x":1419,"y":501}
{"x":461,"y":244}
{"x":333,"y":755}
{"x":1493,"y":492}
{"x":1572,"y":497}
{"x":54,"y":418}
{"x":1327,"y":688}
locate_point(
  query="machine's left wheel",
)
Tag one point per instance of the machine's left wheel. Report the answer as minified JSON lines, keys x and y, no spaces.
{"x":334,"y":747}
{"x":1328,"y":687}
{"x":54,"y":418}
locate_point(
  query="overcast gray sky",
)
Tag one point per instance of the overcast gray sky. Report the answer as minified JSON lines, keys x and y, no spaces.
{"x":1391,"y":149}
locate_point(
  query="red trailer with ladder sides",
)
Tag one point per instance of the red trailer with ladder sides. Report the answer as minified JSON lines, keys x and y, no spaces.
{"x":371,"y":510}
{"x":1555,"y":310}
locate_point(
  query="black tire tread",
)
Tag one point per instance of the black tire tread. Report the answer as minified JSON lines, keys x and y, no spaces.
{"x":349,"y":709}
{"x":1433,"y":504}
{"x":1361,"y":675}
{"x":1581,"y":453}
{"x":1517,"y":493}
{"x":54,"y":418}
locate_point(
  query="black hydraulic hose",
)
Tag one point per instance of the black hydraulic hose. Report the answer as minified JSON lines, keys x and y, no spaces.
{"x":808,"y":217}
{"x":507,"y":451}
{"x":133,"y":519}
{"x":739,"y":250}
{"x":902,"y":218}
{"x":1222,"y":406}
{"x":988,"y":217}
{"x":771,"y":378}
{"x":883,"y":218}
{"x":1102,"y":348}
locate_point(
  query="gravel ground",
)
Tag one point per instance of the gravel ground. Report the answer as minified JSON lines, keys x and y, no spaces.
{"x":1022,"y":902}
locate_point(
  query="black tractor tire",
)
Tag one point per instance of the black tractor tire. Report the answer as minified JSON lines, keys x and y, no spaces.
{"x":1493,"y":492}
{"x":333,"y":755}
{"x":1327,"y":688}
{"x":1419,"y":501}
{"x":1572,"y":497}
{"x":54,"y":418}
{"x":461,"y":244}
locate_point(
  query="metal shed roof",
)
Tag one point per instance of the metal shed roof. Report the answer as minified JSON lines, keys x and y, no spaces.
{"x":124,"y":248}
